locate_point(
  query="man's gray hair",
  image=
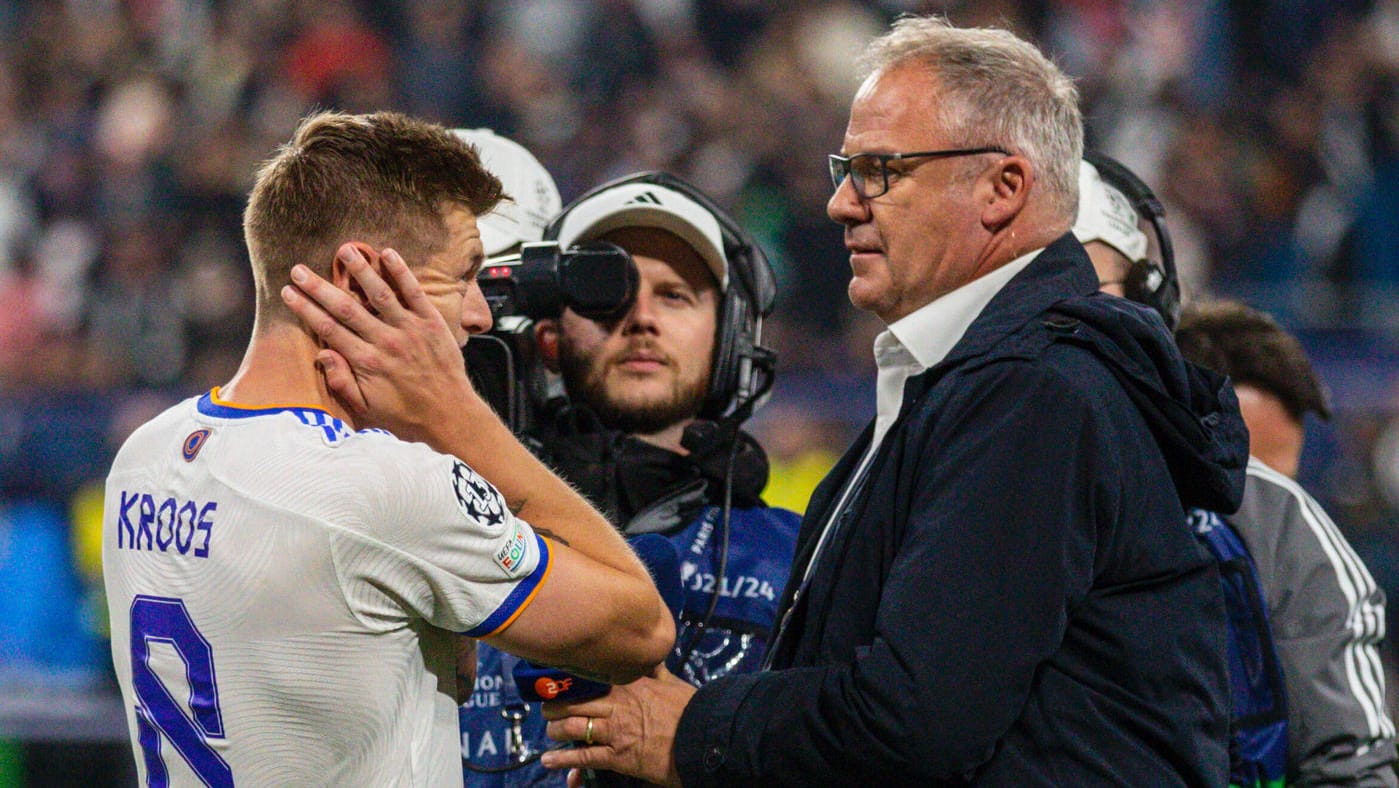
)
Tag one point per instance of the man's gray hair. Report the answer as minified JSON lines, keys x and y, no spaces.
{"x":997,"y":89}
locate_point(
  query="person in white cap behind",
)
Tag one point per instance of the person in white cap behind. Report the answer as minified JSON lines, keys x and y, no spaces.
{"x":531,"y":200}
{"x":1325,"y":611}
{"x":532,"y":197}
{"x":1107,"y":227}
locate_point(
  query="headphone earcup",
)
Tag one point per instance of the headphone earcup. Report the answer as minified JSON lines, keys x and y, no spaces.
{"x":724,"y":374}
{"x":1148,"y":283}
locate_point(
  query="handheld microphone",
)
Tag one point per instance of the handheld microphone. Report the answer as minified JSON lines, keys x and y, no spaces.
{"x":538,"y":683}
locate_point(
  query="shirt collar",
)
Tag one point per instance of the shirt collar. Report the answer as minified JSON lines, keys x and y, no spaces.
{"x":930,"y":332}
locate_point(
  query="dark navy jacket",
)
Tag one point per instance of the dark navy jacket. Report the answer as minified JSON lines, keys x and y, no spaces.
{"x":1013,"y":598}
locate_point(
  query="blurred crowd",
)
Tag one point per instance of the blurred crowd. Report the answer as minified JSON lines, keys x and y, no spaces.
{"x":130,"y":130}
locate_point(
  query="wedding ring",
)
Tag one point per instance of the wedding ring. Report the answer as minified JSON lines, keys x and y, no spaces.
{"x":588,"y":733}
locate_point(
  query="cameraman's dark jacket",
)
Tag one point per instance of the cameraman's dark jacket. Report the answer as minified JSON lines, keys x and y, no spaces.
{"x":729,"y":610}
{"x":1012,"y":598}
{"x":645,"y":487}
{"x":648,"y":489}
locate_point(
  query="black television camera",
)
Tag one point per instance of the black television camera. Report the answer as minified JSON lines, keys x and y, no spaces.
{"x":597,"y":279}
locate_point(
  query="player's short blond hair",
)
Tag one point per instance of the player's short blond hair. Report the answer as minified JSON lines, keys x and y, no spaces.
{"x":385,"y":179}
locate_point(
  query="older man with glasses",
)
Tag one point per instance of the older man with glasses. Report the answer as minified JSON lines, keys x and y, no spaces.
{"x":995,"y":585}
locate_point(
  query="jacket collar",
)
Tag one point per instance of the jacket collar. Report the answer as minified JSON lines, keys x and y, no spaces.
{"x":1062,"y":270}
{"x":930,"y":332}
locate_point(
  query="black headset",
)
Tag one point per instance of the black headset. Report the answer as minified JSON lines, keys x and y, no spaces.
{"x":742,"y":372}
{"x":1150,"y":281}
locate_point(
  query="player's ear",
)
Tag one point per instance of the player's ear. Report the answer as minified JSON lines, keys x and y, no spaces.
{"x":341,"y":277}
{"x":546,"y":340}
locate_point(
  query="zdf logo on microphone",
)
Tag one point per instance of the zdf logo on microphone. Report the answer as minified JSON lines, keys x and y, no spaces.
{"x":550,"y":687}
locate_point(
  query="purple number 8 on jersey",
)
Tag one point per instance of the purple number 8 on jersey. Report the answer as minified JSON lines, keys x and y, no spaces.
{"x":165,"y":620}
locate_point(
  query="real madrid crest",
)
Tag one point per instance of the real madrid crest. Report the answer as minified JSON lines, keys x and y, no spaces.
{"x":192,"y":444}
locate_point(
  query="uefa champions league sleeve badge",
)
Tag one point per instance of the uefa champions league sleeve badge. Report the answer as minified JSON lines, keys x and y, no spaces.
{"x":476,"y":497}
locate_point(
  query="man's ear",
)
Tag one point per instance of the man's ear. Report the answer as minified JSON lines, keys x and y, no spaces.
{"x":1006,"y":190}
{"x":546,"y":341}
{"x":341,"y":277}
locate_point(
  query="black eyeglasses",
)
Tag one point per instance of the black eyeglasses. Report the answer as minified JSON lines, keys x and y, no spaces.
{"x":869,"y":172}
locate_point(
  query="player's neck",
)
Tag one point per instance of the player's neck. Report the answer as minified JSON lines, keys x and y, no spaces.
{"x":279,"y":368}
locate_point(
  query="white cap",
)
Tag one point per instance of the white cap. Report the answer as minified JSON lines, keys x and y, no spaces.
{"x":648,"y":205}
{"x":1105,"y":214}
{"x":534,"y":199}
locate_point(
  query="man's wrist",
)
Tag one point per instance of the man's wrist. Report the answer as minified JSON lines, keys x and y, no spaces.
{"x":703,"y":732}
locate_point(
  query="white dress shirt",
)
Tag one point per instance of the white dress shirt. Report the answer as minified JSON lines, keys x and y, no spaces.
{"x":910,"y":346}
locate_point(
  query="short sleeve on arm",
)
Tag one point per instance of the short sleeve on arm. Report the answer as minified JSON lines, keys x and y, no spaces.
{"x":434,"y":538}
{"x":523,"y":593}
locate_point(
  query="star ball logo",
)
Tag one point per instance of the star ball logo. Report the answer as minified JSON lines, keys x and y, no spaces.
{"x":476,"y":497}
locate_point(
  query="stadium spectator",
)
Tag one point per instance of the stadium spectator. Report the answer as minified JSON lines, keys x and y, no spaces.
{"x":315,"y":565}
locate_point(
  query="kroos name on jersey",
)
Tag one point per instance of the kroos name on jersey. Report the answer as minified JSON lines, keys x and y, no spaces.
{"x":169,"y":525}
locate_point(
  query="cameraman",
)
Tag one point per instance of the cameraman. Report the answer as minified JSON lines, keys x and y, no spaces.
{"x":631,"y":388}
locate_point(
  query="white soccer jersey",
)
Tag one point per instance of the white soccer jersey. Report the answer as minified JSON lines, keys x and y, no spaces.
{"x":284,"y":592}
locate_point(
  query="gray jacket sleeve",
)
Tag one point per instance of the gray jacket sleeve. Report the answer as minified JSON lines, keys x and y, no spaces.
{"x":1327,"y":617}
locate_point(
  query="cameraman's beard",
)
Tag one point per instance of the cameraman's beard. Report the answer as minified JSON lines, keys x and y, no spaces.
{"x":587,"y":384}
